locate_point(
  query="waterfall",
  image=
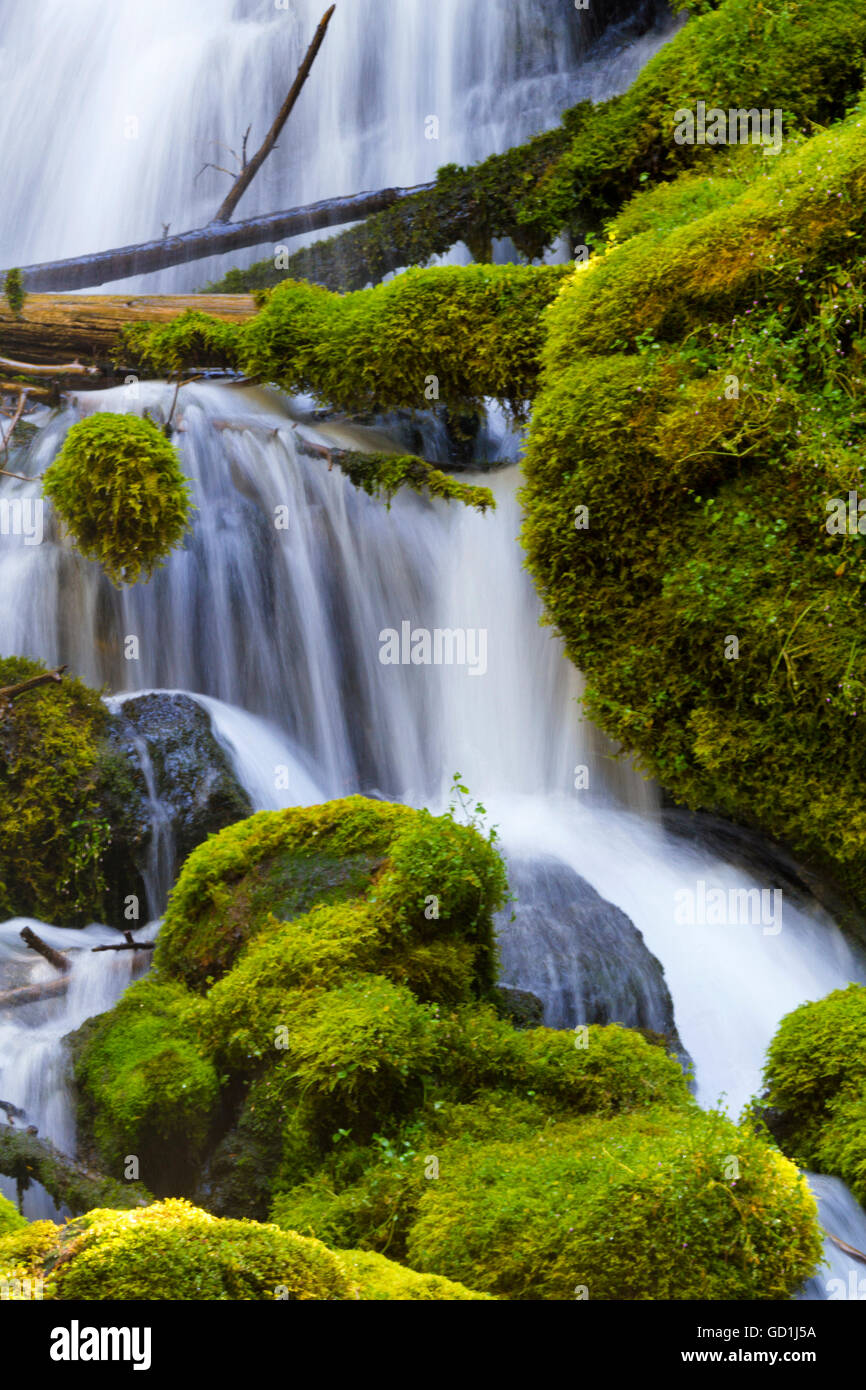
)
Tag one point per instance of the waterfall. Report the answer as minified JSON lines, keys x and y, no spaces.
{"x":113,"y":109}
{"x":279,"y":632}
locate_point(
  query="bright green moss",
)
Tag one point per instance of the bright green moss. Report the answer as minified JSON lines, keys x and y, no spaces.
{"x":703,"y":398}
{"x":173,"y":1251}
{"x":384,"y":475}
{"x":816,"y":1084}
{"x":804,"y":57}
{"x":640,"y":1207}
{"x":476,"y":330}
{"x":363,"y":1045}
{"x":381,"y":1280}
{"x":54,"y":772}
{"x":10,"y":1220}
{"x":146,"y":1089}
{"x":22,"y":1253}
{"x":117,"y":484}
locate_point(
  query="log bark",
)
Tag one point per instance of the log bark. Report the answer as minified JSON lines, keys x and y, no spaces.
{"x":52,"y":327}
{"x":56,"y":958}
{"x":85,"y":272}
{"x":250,"y":170}
{"x":34,"y":994}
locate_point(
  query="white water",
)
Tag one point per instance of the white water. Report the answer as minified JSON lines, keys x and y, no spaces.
{"x":113,"y":108}
{"x":278,"y":632}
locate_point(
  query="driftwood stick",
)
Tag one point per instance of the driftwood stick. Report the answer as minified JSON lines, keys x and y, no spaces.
{"x":11,"y":692}
{"x":19,"y":411}
{"x":56,"y":958}
{"x":843,"y":1245}
{"x":127,"y":946}
{"x":41,"y":369}
{"x":249,"y":170}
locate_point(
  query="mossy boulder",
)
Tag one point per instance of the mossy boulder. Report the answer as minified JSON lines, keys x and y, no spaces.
{"x":815,"y":1081}
{"x":703,"y":380}
{"x":382,"y":1281}
{"x":638,"y":1207}
{"x":174,"y":1252}
{"x":146,"y":1090}
{"x":71,"y":811}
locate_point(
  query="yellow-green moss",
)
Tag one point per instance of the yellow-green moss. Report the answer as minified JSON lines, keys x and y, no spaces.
{"x":703,"y":396}
{"x":147,"y":1091}
{"x":175,"y":1252}
{"x":816,"y":1085}
{"x":54,"y":779}
{"x":641,"y":1207}
{"x":10,"y":1220}
{"x":117,"y":484}
{"x":381,"y":1280}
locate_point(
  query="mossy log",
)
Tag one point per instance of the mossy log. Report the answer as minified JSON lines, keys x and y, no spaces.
{"x":55,"y":327}
{"x":27,"y":1158}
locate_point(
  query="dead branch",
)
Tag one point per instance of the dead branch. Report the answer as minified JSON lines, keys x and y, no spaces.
{"x":55,"y":369}
{"x":11,"y":692}
{"x":249,"y":170}
{"x":22,"y":401}
{"x":56,"y":958}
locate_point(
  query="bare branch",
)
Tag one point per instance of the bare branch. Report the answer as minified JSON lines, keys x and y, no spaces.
{"x":250,"y":170}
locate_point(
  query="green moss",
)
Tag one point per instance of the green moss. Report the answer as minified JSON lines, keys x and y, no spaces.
{"x":640,"y":1207}
{"x":704,"y":380}
{"x":13,"y":288}
{"x":381,"y":1280}
{"x":816,"y":1085}
{"x":22,"y":1252}
{"x":117,"y":484}
{"x":10,"y":1220}
{"x":475,"y":331}
{"x":146,"y":1090}
{"x":174,"y":1251}
{"x":56,"y":772}
{"x":28,"y":1159}
{"x":384,"y":474}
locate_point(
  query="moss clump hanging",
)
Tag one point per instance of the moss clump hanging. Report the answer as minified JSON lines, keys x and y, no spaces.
{"x":118,"y":485}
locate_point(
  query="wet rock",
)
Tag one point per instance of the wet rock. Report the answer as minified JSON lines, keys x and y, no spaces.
{"x":579,"y":954}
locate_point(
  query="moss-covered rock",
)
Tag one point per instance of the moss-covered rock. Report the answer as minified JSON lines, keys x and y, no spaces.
{"x":641,"y":1207}
{"x":146,"y":1089}
{"x":703,"y":380}
{"x":70,"y":807}
{"x":174,"y":1251}
{"x":379,"y":1280}
{"x":117,"y":484}
{"x":816,"y":1086}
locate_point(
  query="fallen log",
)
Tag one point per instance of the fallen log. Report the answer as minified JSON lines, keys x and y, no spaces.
{"x":56,"y":958}
{"x":27,"y":1159}
{"x":88,"y":327}
{"x":12,"y":1111}
{"x":85,"y":272}
{"x":34,"y":994}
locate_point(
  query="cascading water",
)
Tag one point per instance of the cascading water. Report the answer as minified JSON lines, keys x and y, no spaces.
{"x":278,"y":633}
{"x":174,"y":84}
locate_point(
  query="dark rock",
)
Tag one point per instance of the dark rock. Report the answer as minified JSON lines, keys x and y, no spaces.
{"x":184,"y":782}
{"x":521,"y":1008}
{"x":580,"y":955}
